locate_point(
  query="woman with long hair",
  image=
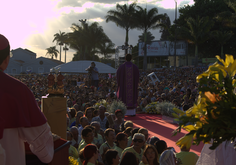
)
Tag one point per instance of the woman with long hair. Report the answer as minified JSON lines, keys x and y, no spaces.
{"x":160,"y":147}
{"x":90,"y":154}
{"x":121,"y":142}
{"x":129,"y":159}
{"x":150,"y":156}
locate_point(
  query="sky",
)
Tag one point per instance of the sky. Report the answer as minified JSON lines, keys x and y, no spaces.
{"x":31,"y":24}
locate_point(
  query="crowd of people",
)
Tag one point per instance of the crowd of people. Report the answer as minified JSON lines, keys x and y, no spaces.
{"x":94,"y":140}
{"x":177,"y":86}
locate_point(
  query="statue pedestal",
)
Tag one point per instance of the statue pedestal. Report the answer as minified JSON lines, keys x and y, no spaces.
{"x":55,"y":109}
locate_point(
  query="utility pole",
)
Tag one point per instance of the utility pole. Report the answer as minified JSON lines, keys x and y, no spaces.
{"x":175,"y":33}
{"x":83,"y":22}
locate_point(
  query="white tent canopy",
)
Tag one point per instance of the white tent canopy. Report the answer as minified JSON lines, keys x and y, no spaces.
{"x":80,"y":66}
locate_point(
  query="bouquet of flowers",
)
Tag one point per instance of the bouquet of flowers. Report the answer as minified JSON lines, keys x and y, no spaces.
{"x":117,"y":104}
{"x":166,"y":108}
{"x":213,"y":116}
{"x":73,"y":161}
{"x":152,"y":108}
{"x":102,"y":102}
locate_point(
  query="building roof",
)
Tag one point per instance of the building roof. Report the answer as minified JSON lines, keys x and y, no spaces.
{"x":80,"y":66}
{"x":20,"y":61}
{"x":56,"y":61}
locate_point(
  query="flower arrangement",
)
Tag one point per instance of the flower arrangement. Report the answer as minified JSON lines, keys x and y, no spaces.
{"x":152,"y":108}
{"x":73,"y":161}
{"x":117,"y":104}
{"x":213,"y":116}
{"x":166,"y":108}
{"x":102,"y":102}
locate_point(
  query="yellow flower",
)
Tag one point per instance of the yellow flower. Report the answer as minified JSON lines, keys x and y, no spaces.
{"x":219,"y":71}
{"x":229,"y":64}
{"x":204,"y":74}
{"x":185,"y":141}
{"x":181,"y":113}
{"x":196,"y":110}
{"x":189,"y":128}
{"x":73,"y":161}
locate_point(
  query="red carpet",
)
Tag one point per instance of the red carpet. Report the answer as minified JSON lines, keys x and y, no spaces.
{"x":144,"y":117}
{"x":161,"y":129}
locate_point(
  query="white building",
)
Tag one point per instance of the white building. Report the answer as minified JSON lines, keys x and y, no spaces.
{"x":24,"y":61}
{"x":74,"y":67}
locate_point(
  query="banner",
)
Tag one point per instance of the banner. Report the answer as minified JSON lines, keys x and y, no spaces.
{"x":163,"y":48}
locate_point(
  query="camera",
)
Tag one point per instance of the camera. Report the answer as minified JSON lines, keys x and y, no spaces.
{"x":90,"y":69}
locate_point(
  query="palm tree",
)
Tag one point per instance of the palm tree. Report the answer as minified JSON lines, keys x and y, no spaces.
{"x":65,"y":49}
{"x":75,"y":38}
{"x":106,"y":49}
{"x":196,"y":32}
{"x":87,"y":38}
{"x":60,"y":38}
{"x":147,"y":20}
{"x":228,"y":18}
{"x":222,"y":38}
{"x":149,"y":37}
{"x":66,"y":41}
{"x":52,"y":51}
{"x":123,"y":17}
{"x":165,"y":26}
{"x":95,"y":36}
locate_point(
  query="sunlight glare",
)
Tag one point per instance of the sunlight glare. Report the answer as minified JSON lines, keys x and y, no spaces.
{"x":167,"y":4}
{"x":98,"y":19}
{"x":109,"y":5}
{"x":67,"y":10}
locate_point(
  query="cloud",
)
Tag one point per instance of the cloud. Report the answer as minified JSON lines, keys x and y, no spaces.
{"x":34,"y":23}
{"x":95,"y":13}
{"x":69,"y":3}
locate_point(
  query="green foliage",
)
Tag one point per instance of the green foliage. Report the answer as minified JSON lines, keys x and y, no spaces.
{"x":152,"y":108}
{"x":213,"y":10}
{"x":197,"y":32}
{"x":88,"y":39}
{"x":106,"y":49}
{"x":146,"y":37}
{"x":52,"y":51}
{"x":123,"y":17}
{"x":222,"y":125}
{"x":146,"y":20}
{"x":165,"y":108}
{"x":117,"y":105}
{"x":213,"y":117}
{"x":60,"y":38}
{"x":165,"y":26}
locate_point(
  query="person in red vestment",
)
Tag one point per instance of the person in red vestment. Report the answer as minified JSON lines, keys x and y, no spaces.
{"x":127,"y":76}
{"x":21,"y":120}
